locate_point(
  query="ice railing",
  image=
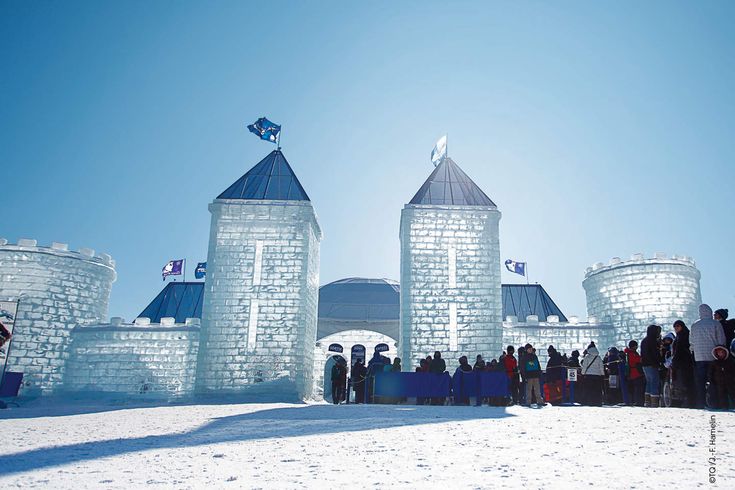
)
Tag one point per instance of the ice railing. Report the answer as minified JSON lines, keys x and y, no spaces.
{"x":58,"y":248}
{"x":639,"y":258}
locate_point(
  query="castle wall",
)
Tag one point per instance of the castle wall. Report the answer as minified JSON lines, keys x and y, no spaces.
{"x":451,"y":296}
{"x":134,"y":359}
{"x":57,"y":289}
{"x":565,"y":337}
{"x":261,"y":293}
{"x":635,"y":293}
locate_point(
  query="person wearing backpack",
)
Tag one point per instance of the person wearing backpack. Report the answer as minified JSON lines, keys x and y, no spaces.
{"x":531,"y":372}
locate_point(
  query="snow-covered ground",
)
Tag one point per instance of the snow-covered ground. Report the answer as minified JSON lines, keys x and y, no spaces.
{"x":324,"y":446}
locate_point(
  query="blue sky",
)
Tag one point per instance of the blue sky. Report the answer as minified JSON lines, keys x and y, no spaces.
{"x":600,"y":129}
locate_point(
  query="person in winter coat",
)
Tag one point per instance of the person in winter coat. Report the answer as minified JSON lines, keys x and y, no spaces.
{"x":728,"y":326}
{"x":614,"y":372}
{"x":460,"y":398}
{"x":438,"y":366}
{"x":592,"y":376}
{"x":682,"y":367}
{"x":651,"y":360}
{"x":722,"y":374}
{"x":464,"y":365}
{"x":635,"y":379}
{"x":479,"y":364}
{"x":667,"y":348}
{"x":522,"y":380}
{"x":359,"y":373}
{"x":574,"y":359}
{"x":511,"y":370}
{"x":423,"y":367}
{"x":706,"y":334}
{"x":531,"y":372}
{"x":554,"y":365}
{"x":339,"y":381}
{"x":554,"y":376}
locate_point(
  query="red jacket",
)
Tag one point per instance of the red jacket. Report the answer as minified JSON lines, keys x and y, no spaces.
{"x":634,"y":364}
{"x":511,"y":366}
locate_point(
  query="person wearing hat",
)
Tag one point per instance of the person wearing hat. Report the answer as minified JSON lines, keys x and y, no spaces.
{"x":722,"y":374}
{"x":593,"y":374}
{"x":728,"y":325}
{"x":706,"y":334}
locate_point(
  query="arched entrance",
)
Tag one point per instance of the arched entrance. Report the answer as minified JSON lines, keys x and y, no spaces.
{"x":354,"y":311}
{"x":331,"y":362}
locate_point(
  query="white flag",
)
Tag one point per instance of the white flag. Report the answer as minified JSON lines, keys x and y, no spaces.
{"x":439,"y":151}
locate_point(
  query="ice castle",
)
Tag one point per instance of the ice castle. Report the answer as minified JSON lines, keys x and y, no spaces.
{"x":261,"y":288}
{"x":260,"y":320}
{"x":450,"y":268}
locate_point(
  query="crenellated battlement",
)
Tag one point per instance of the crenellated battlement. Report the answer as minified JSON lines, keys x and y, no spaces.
{"x":59,"y":249}
{"x":639,"y":259}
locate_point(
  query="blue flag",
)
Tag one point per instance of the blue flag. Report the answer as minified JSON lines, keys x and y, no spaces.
{"x":265,"y":129}
{"x":516,"y":267}
{"x":201,"y":270}
{"x":173,"y":268}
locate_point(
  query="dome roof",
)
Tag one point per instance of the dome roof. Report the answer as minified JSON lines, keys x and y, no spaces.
{"x":359,"y":299}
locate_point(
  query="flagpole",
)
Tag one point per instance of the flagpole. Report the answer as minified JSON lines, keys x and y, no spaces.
{"x":278,"y":138}
{"x":526,"y":273}
{"x":184,"y":277}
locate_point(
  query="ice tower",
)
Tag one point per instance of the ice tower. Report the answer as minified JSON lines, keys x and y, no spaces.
{"x":261,"y":291}
{"x":451,"y":297}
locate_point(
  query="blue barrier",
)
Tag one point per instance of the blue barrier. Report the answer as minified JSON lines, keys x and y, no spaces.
{"x":480,"y":384}
{"x":421,"y":385}
{"x":430,"y":385}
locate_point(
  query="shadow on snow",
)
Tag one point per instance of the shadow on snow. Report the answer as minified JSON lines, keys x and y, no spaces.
{"x":265,"y":424}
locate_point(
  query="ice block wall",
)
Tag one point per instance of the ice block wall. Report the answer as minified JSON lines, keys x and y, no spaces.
{"x":635,"y":293}
{"x":134,"y":359}
{"x":57,"y":289}
{"x":565,"y":337}
{"x":260,"y":302}
{"x":451,"y":297}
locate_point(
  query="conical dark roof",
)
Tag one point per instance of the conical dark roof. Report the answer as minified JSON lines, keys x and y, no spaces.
{"x":448,"y":184}
{"x":271,"y":179}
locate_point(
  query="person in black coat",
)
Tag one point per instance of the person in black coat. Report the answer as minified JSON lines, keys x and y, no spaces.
{"x":437,"y":366}
{"x":727,"y":325}
{"x":574,"y":360}
{"x":682,"y":367}
{"x":359,"y":374}
{"x":554,"y":371}
{"x":651,"y":360}
{"x":722,"y":374}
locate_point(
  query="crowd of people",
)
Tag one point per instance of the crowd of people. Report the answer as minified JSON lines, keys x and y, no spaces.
{"x":690,"y":368}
